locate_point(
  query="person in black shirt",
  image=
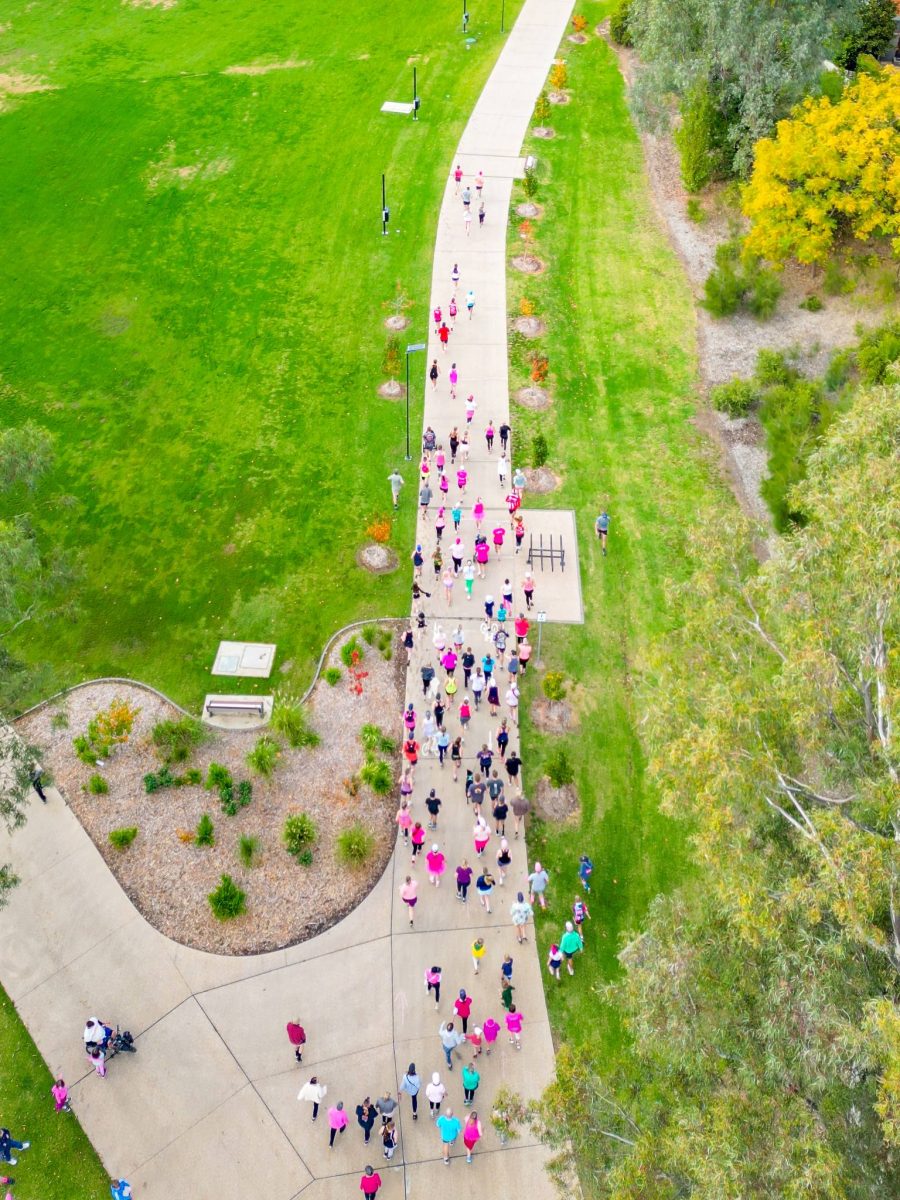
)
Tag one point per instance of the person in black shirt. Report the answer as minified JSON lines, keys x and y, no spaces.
{"x":433,"y":804}
{"x":468,"y":662}
{"x":365,"y":1116}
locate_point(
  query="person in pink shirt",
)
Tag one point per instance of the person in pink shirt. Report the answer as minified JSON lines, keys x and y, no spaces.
{"x":424,"y":469}
{"x":409,"y":894}
{"x":433,"y":984}
{"x":489,"y":436}
{"x":448,"y":661}
{"x":60,"y":1094}
{"x":462,"y":477}
{"x":454,"y":380}
{"x":337,"y":1122}
{"x":475,"y":1038}
{"x":514,"y":1026}
{"x":453,"y":310}
{"x":370,"y":1182}
{"x":490,"y":1029}
{"x":482,"y":554}
{"x":462,"y":1006}
{"x":436,"y":864}
{"x":417,"y":837}
{"x":478,"y":513}
{"x":471,"y":1134}
{"x":465,"y":712}
{"x":437,"y":318}
{"x":499,"y":535}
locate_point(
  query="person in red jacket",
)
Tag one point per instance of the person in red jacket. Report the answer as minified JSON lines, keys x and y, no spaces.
{"x":370,"y":1182}
{"x":462,"y":1006}
{"x":522,"y":627}
{"x":297,"y":1038}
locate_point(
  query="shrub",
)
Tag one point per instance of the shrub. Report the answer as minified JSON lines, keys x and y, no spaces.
{"x":393,"y":359}
{"x":60,"y":719}
{"x":216,"y":775}
{"x":291,"y":720}
{"x":378,"y":775}
{"x":227,"y":801}
{"x":84,"y":750}
{"x":542,"y":110}
{"x":540,"y":451}
{"x":695,"y":211}
{"x":540,"y":365}
{"x":558,"y":768}
{"x":871,"y":33}
{"x":527,"y":307}
{"x":248,"y":849}
{"x":385,"y":645}
{"x":228,"y":900}
{"x":812,"y":303}
{"x":877,"y":349}
{"x":205,"y":835}
{"x":305,"y":858}
{"x":97,"y":785}
{"x":579,"y":24}
{"x":553,"y":686}
{"x":619,"y":24}
{"x":369,"y":634}
{"x":299,"y":833}
{"x":121,"y":839}
{"x":163,"y":778}
{"x":374,"y":739}
{"x":695,"y":138}
{"x":349,"y":648}
{"x":379,"y":529}
{"x":244,"y":793}
{"x":530,"y":183}
{"x":773,"y":369}
{"x":332,"y":675}
{"x":151,"y":783}
{"x":263,"y":758}
{"x":734,"y":398}
{"x":839,"y":370}
{"x":354,"y":845}
{"x":193,"y":777}
{"x":764,"y":288}
{"x":109,"y":728}
{"x":724,"y":287}
{"x":795,"y":415}
{"x":559,"y":75}
{"x":176,"y":740}
{"x":834,"y":281}
{"x":185,"y":835}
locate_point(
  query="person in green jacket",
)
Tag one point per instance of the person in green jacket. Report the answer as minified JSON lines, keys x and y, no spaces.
{"x":570,"y":944}
{"x":470,"y":1081}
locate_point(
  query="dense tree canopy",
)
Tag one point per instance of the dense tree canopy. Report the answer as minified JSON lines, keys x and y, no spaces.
{"x":762,"y":1000}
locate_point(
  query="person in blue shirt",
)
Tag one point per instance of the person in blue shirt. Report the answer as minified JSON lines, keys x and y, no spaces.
{"x":585,"y":871}
{"x":120,"y":1189}
{"x":602,"y":527}
{"x":449,"y":1128}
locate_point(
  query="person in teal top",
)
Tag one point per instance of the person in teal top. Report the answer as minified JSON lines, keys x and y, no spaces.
{"x":470,"y":1081}
{"x":602,"y":527}
{"x":450,"y":1129}
{"x":570,"y":944}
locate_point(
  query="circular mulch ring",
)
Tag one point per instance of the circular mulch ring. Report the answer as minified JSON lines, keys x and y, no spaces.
{"x":378,"y":559}
{"x":544,"y":131}
{"x":528,"y":264}
{"x":533,"y":397}
{"x":397,"y":323}
{"x":559,"y":98}
{"x":392,"y":390}
{"x":553,"y":716}
{"x":540,"y":480}
{"x":529,"y":209}
{"x":530,"y":327}
{"x":578,"y":38}
{"x":555,"y":804}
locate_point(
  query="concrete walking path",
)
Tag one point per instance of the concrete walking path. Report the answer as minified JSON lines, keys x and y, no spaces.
{"x":207,"y":1107}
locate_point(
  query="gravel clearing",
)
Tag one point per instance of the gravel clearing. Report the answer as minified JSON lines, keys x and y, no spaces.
{"x":169,"y":880}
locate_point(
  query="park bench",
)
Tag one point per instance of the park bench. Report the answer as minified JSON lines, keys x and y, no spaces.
{"x":552,"y":553}
{"x":224,"y":707}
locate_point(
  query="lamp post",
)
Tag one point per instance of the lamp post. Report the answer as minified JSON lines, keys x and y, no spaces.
{"x":465,"y":17}
{"x":411,"y":349}
{"x":385,"y":211}
{"x":415,"y":97}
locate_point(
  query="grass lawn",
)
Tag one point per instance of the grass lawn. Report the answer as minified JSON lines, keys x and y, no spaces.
{"x":192,"y":294}
{"x":61,"y":1164}
{"x":620,"y":343}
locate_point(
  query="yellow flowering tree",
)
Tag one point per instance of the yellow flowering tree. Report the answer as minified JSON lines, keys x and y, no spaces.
{"x":832,"y":171}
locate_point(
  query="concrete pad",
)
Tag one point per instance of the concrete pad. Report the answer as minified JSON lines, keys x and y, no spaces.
{"x":203,"y":971}
{"x":397,"y":106}
{"x":557,"y":592}
{"x":252,"y":660}
{"x":339,"y":1187}
{"x":234,"y":1152}
{"x":51,"y":834}
{"x":308,"y":992}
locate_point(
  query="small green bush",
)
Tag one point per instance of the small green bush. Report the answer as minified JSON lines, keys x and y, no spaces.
{"x":84,"y":750}
{"x":553,"y":685}
{"x":248,"y":850}
{"x":228,"y":900}
{"x":877,"y":349}
{"x":540,"y":451}
{"x":305,"y":858}
{"x":154,"y":782}
{"x":724,"y":287}
{"x":812,"y":303}
{"x":558,"y":768}
{"x":97,"y":785}
{"x":734,"y":398}
{"x":191,"y":778}
{"x":354,"y":845}
{"x":60,"y":719}
{"x":369,"y":634}
{"x":695,"y":211}
{"x":839,"y":370}
{"x":795,"y":417}
{"x":151,"y":783}
{"x":378,"y":775}
{"x":694,"y":138}
{"x":227,"y":801}
{"x":263,"y":758}
{"x":121,"y":839}
{"x":773,"y":369}
{"x":205,"y":835}
{"x":299,"y":833}
{"x":542,"y":109}
{"x":763,"y":291}
{"x":291,"y":720}
{"x":530,"y":183}
{"x":374,"y":740}
{"x":216,"y":775}
{"x":348,"y":649}
{"x":176,"y":740}
{"x":244,"y":793}
{"x":835,"y":282}
{"x":332,"y":675}
{"x":619,"y":29}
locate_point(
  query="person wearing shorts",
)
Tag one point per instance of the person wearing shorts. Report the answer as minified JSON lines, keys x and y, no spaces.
{"x":408,"y":894}
{"x":521,"y":808}
{"x":570,"y":944}
{"x":433,"y":373}
{"x":417,"y":838}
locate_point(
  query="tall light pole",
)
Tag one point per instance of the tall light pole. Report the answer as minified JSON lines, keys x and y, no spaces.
{"x":385,"y":211}
{"x":465,"y":17}
{"x":411,"y":349}
{"x":415,"y":97}
{"x":503,"y":16}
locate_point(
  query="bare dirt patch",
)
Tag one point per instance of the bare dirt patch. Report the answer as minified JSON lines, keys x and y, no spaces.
{"x":533,"y":397}
{"x":528,"y":264}
{"x":392,"y":390}
{"x":168,"y":173}
{"x":380,"y":560}
{"x":15,"y":84}
{"x":168,"y":880}
{"x":559,"y":98}
{"x":555,"y":804}
{"x":544,"y":131}
{"x":163,"y":4}
{"x":289,"y":64}
{"x":578,"y":38}
{"x":530,"y":327}
{"x":396,"y":323}
{"x":540,"y":480}
{"x":556,"y":716}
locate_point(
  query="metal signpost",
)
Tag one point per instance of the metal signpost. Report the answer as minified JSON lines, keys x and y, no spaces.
{"x":540,"y":617}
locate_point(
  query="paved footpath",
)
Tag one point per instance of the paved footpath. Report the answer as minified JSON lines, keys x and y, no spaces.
{"x":207,"y":1107}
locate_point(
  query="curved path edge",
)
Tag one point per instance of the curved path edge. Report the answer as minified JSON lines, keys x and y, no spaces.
{"x":207,"y":1107}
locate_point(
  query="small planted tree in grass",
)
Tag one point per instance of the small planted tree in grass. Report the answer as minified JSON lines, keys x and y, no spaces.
{"x":530,"y":183}
{"x":540,"y":451}
{"x":263,"y":758}
{"x":558,"y":768}
{"x":540,"y":367}
{"x":559,"y":76}
{"x":553,"y":685}
{"x":393,"y":359}
{"x":121,"y":839}
{"x":542,"y":110}
{"x":355,"y":845}
{"x":299,"y":833}
{"x":228,"y":900}
{"x":205,"y":835}
{"x":579,"y":23}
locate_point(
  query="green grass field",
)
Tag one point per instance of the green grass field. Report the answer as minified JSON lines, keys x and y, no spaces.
{"x":622,"y":365}
{"x":191,"y":293}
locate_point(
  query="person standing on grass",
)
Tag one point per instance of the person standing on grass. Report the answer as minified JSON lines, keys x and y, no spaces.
{"x":537,"y":882}
{"x":514,"y":1021}
{"x":337,"y":1122}
{"x":451,"y":1040}
{"x":370,"y":1182}
{"x":313,"y":1093}
{"x":436,"y":865}
{"x":435,"y":1091}
{"x":571,"y":944}
{"x":521,"y":913}
{"x":585,"y":871}
{"x":554,"y":961}
{"x":478,"y":952}
{"x":395,"y":479}
{"x":433,"y":984}
{"x":297,"y":1038}
{"x":462,"y":1006}
{"x":580,"y":914}
{"x":463,"y":879}
{"x":365,"y":1118}
{"x":7,"y":1144}
{"x":470,"y":1081}
{"x":602,"y":527}
{"x":433,"y":373}
{"x":412,"y":1085}
{"x":409,"y":895}
{"x":60,"y":1094}
{"x":449,"y":1129}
